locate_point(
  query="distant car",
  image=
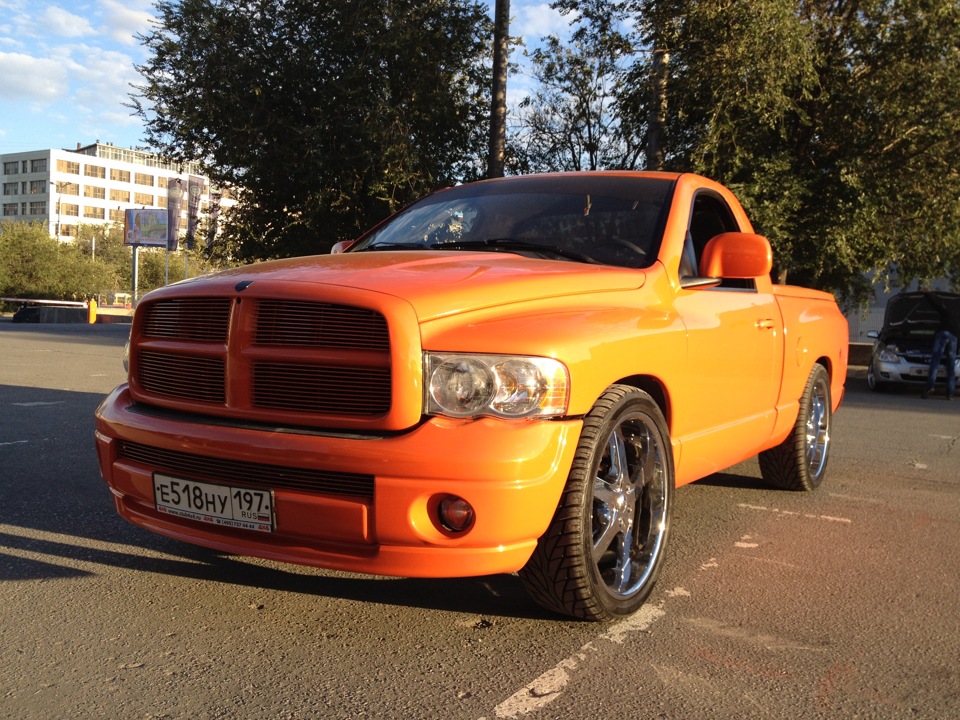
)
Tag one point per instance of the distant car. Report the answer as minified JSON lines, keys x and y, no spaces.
{"x":901,"y":350}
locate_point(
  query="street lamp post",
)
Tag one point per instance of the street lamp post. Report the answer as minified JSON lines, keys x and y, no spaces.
{"x":59,"y":188}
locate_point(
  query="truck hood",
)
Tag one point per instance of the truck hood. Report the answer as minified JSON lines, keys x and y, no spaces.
{"x":435,"y":283}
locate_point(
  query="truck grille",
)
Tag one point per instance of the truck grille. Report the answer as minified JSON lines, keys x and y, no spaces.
{"x":318,"y":360}
{"x":233,"y":472}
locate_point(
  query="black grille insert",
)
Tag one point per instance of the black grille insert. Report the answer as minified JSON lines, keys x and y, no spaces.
{"x":262,"y":475}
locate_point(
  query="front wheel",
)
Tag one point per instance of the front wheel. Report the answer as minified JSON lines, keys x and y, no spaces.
{"x":800,"y":461}
{"x":600,"y":557}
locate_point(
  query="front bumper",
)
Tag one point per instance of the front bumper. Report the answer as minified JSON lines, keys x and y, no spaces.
{"x":512,"y":473}
{"x":904,"y":371}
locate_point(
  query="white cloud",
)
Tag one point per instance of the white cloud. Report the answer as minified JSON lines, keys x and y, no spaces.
{"x":57,"y":21}
{"x":31,"y":78}
{"x":536,"y":21}
{"x":124,"y":21}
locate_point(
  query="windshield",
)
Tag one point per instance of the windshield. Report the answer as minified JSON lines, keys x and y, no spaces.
{"x":611,"y":220}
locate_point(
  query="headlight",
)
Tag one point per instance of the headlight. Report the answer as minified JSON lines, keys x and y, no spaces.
{"x":889,"y":354}
{"x":509,"y":386}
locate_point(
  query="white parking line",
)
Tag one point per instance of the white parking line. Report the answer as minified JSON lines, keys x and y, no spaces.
{"x":794,"y":513}
{"x":551,"y":684}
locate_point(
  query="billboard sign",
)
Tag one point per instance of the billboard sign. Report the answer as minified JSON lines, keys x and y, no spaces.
{"x":145,"y":227}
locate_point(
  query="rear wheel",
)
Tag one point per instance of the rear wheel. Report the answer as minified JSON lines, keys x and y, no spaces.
{"x":800,"y":461}
{"x":601,"y":555}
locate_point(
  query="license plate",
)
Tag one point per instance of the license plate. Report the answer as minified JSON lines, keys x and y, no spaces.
{"x":224,"y":505}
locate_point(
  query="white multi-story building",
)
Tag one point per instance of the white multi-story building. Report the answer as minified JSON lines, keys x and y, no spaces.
{"x":91,"y":185}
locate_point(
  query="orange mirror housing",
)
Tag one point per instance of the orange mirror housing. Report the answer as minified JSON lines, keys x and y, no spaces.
{"x":737,"y":255}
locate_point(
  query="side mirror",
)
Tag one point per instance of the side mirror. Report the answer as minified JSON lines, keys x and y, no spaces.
{"x":341,"y":246}
{"x":737,"y":255}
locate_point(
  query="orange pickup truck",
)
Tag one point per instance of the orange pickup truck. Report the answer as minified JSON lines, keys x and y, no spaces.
{"x":509,"y":375}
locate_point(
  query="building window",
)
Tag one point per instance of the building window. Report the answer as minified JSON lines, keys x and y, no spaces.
{"x":38,"y":208}
{"x":120,"y":175}
{"x":162,"y":201}
{"x":142,"y":199}
{"x":38,"y":165}
{"x":69,"y":188}
{"x":71,"y":168}
{"x":10,"y":188}
{"x":120,"y":196}
{"x":143,"y":179}
{"x":38,"y":186}
{"x":68,"y":231}
{"x":69,"y":209}
{"x":95,"y":213}
{"x":97,"y":171}
{"x":92,"y":191}
{"x":116,"y":215}
{"x":10,"y":168}
{"x":11,"y":209}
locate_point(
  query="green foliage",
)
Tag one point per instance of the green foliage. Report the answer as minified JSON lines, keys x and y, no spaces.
{"x":35,"y":266}
{"x":325,"y":117}
{"x":570,"y":122}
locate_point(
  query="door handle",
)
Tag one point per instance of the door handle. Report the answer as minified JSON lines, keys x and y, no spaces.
{"x":765,"y":324}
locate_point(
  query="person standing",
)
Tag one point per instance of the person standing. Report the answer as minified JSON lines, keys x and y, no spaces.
{"x":944,"y":342}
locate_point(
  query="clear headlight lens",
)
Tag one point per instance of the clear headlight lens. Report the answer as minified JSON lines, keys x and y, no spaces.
{"x":510,"y":386}
{"x":889,"y":354}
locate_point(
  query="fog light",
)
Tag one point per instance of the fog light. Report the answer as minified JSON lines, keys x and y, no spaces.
{"x":456,"y":514}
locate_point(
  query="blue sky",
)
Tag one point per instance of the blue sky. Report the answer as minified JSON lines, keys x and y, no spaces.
{"x":66,"y":68}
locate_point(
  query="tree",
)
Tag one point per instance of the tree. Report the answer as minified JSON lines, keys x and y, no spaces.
{"x":34,"y":265}
{"x":570,"y":122}
{"x":323,"y":117}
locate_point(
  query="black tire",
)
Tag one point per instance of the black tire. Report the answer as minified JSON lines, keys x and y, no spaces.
{"x":800,"y":461}
{"x":617,"y":500}
{"x":872,"y":381}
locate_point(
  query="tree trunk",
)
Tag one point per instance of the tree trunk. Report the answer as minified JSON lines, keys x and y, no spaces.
{"x":498,"y":110}
{"x":656,"y":156}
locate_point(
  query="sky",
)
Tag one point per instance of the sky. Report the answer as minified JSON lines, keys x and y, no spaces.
{"x":66,"y":68}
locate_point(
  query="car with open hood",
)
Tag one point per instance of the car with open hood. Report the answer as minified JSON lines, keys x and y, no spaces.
{"x":902,"y":348}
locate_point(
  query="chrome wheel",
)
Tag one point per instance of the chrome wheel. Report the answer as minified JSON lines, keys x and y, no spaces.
{"x":817,"y":441}
{"x":800,"y":461}
{"x":629,"y":506}
{"x":602,"y":553}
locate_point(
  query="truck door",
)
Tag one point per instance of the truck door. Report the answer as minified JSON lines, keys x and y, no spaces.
{"x":734,"y":358}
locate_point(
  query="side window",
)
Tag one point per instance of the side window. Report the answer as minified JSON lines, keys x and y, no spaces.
{"x":709,"y":217}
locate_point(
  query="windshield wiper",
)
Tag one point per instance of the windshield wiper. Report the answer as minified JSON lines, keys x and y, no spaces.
{"x":511,"y":245}
{"x":396,"y":246}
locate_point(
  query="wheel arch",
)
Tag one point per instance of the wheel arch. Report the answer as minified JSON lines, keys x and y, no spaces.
{"x":654,"y":387}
